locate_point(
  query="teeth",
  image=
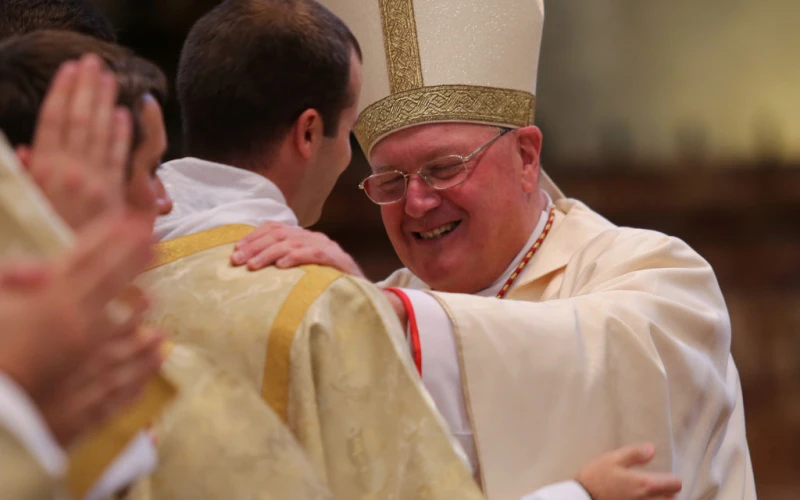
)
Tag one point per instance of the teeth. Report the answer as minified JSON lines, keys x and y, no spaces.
{"x":429,"y":235}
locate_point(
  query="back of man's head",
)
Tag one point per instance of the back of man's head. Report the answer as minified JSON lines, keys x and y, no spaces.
{"x":18,"y":17}
{"x":250,"y":68}
{"x":29,"y":62}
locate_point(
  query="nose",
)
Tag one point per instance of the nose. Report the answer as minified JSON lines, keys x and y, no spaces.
{"x":420,"y":198}
{"x":163,"y":200}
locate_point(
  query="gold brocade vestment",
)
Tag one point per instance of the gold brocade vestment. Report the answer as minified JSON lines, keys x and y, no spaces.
{"x":324,"y":351}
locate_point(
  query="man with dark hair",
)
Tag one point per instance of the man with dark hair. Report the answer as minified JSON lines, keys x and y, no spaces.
{"x":268,"y":90}
{"x":309,"y":51}
{"x":67,"y":366}
{"x":23,"y":16}
{"x":243,"y":444}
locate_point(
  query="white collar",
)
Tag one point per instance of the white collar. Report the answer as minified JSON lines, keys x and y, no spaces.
{"x":206,"y":195}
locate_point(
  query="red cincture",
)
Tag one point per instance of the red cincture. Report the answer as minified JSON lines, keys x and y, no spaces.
{"x":528,"y":256}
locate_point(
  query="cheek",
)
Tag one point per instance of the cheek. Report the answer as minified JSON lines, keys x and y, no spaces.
{"x":141,"y":192}
{"x":392,"y":216}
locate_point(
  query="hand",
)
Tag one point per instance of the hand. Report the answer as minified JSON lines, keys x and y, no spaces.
{"x":112,"y":378}
{"x":287,"y":246}
{"x":82,"y":143}
{"x":54,"y":312}
{"x":612,"y":477}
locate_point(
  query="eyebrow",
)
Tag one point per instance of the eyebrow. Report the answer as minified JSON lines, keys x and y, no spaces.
{"x":437,"y":152}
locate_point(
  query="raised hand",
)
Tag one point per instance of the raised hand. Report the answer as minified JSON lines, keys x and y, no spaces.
{"x":287,"y":246}
{"x":58,"y":341}
{"x":82,"y":142}
{"x":613,"y":476}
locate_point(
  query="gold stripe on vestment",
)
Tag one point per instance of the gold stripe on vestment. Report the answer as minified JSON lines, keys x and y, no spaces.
{"x":277,"y":367}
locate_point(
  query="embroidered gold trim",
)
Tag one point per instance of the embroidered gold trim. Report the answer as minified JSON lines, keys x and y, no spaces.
{"x":458,"y":103}
{"x":402,"y":47}
{"x":94,"y":453}
{"x":277,"y":367}
{"x":178,"y":248}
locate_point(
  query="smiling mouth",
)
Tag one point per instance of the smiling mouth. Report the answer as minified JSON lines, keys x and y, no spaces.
{"x":438,"y":232}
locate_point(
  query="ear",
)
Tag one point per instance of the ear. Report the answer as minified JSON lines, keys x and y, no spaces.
{"x":307,"y":134}
{"x":530,"y":149}
{"x":24,"y":156}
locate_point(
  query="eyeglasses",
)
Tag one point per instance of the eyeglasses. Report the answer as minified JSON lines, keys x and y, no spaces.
{"x":442,"y":173}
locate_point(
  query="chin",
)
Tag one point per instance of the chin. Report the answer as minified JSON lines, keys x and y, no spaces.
{"x":437,"y":275}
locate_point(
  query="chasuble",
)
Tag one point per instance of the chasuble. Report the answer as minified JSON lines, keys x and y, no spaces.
{"x":325,"y":352}
{"x":609,"y":336}
{"x":21,"y":476}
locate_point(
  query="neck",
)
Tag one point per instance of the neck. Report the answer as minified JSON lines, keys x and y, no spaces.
{"x":517,"y":242}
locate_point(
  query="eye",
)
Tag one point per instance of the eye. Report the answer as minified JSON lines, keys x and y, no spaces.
{"x":444,"y":169}
{"x":387,"y":180}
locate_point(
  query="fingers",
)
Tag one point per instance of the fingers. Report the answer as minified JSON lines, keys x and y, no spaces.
{"x":270,"y":255}
{"x":664,"y":484}
{"x":25,"y":275}
{"x":257,"y":233}
{"x":120,"y":147}
{"x":101,"y":121}
{"x":304,"y":256}
{"x":114,"y":353}
{"x":82,"y":142}
{"x":655,"y":485}
{"x":83,"y":101}
{"x":52,"y":116}
{"x":634,"y":455}
{"x":111,"y":253}
{"x":81,"y":406}
{"x":262,"y":241}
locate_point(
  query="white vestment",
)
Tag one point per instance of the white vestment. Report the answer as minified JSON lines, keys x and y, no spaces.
{"x":610,"y":336}
{"x":208,"y":195}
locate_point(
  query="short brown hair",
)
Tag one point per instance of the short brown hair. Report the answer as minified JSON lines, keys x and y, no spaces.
{"x":249,"y":68}
{"x":18,"y":17}
{"x":29,"y":62}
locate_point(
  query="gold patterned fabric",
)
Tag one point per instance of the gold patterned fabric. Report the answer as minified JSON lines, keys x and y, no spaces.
{"x":400,"y":42}
{"x":457,"y":103}
{"x":21,"y":476}
{"x":353,"y":401}
{"x":219,"y":441}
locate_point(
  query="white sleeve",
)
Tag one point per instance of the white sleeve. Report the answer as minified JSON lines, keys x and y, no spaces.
{"x":568,"y":490}
{"x":136,"y":460}
{"x":441,"y":373}
{"x":21,"y":417}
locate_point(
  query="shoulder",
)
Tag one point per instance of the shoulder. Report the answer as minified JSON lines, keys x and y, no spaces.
{"x":605,"y":239}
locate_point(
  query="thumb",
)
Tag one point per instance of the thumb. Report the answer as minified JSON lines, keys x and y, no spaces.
{"x":633,"y":455}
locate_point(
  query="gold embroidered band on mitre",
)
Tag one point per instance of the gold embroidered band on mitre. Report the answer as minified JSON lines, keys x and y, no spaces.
{"x":444,"y":103}
{"x":401,"y":45}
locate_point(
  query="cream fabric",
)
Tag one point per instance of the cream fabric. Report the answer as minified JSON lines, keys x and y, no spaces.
{"x":219,"y":440}
{"x":21,"y":475}
{"x":441,"y":47}
{"x":355,"y":405}
{"x":611,"y":336}
{"x":19,"y":416}
{"x":31,"y":228}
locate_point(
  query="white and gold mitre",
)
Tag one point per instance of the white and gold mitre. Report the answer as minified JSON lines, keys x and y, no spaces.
{"x":428,"y":61}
